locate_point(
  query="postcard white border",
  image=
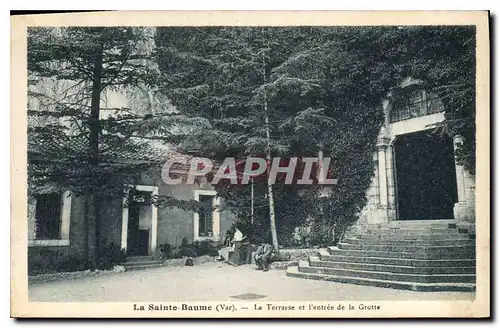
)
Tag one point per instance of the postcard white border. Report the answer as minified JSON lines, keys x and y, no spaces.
{"x":21,"y":307}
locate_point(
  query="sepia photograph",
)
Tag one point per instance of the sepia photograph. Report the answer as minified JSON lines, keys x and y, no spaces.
{"x":242,"y":167}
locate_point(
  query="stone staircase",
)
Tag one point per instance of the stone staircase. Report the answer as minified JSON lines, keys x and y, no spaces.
{"x":140,"y":263}
{"x":414,"y":255}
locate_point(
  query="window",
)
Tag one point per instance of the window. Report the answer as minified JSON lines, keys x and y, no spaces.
{"x":48,"y":216}
{"x":206,"y":221}
{"x":205,"y":226}
{"x":49,"y":219}
{"x":414,"y":103}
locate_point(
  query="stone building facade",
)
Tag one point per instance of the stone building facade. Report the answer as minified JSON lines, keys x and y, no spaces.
{"x":57,"y":229}
{"x":417,"y":230}
{"x":415,"y":115}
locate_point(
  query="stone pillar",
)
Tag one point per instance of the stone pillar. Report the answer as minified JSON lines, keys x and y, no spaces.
{"x":31,"y":218}
{"x":382,"y":170}
{"x":384,"y":158}
{"x":464,"y":209}
{"x":391,"y":184}
{"x":374,"y":192}
{"x":380,"y":195}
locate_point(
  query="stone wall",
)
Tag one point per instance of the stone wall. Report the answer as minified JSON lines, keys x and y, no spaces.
{"x":173,"y":225}
{"x":50,"y":258}
{"x":111,"y":222}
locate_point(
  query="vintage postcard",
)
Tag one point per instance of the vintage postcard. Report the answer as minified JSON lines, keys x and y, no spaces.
{"x":250,"y":164}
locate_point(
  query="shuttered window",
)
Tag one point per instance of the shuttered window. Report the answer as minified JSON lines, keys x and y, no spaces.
{"x":48,"y":216}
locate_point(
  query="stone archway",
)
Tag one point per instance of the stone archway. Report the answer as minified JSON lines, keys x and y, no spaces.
{"x":382,"y":194}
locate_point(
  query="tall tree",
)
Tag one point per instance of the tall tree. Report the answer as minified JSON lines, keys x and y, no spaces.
{"x":300,"y":86}
{"x":93,"y":150}
{"x":319,"y":88}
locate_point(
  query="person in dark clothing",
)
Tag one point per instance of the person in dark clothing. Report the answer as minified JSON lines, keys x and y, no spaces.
{"x":236,"y":255}
{"x":246,"y":251}
{"x":263,"y":256}
{"x":229,"y":236}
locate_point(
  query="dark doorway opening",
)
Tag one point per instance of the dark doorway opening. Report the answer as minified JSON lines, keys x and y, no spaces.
{"x":205,"y":225}
{"x":137,"y":238}
{"x":425,"y":176}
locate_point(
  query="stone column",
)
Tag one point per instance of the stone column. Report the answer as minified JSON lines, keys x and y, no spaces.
{"x":31,"y":218}
{"x":391,"y":184}
{"x":464,"y":209}
{"x":384,"y":158}
{"x":382,"y":171}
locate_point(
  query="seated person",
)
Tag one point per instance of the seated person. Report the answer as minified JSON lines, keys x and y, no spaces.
{"x":224,"y":254}
{"x":263,"y":256}
{"x":229,"y":236}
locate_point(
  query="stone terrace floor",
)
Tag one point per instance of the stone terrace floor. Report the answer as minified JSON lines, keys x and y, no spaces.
{"x":216,"y":282}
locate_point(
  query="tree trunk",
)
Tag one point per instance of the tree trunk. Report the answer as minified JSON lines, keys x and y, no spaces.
{"x":91,"y":223}
{"x":92,"y":201}
{"x":252,"y":212}
{"x":272,"y":214}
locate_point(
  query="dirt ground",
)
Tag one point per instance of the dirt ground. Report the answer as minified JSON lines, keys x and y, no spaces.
{"x":216,"y":282}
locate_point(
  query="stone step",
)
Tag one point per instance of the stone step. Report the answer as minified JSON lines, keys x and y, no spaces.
{"x":325,"y":255}
{"x":414,"y":237}
{"x":409,"y":248}
{"x":317,"y":262}
{"x":419,"y":224}
{"x":446,"y":242}
{"x":465,"y":231}
{"x":439,"y":252}
{"x":442,"y":229}
{"x":415,"y":232}
{"x":131,"y":266}
{"x":416,"y":224}
{"x":293,"y":271}
{"x":138,"y":258}
{"x":141,"y":263}
{"x":391,"y":276}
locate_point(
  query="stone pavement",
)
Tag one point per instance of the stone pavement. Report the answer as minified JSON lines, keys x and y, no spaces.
{"x":216,"y":282}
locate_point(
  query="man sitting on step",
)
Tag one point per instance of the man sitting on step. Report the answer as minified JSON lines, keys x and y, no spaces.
{"x":263,"y":256}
